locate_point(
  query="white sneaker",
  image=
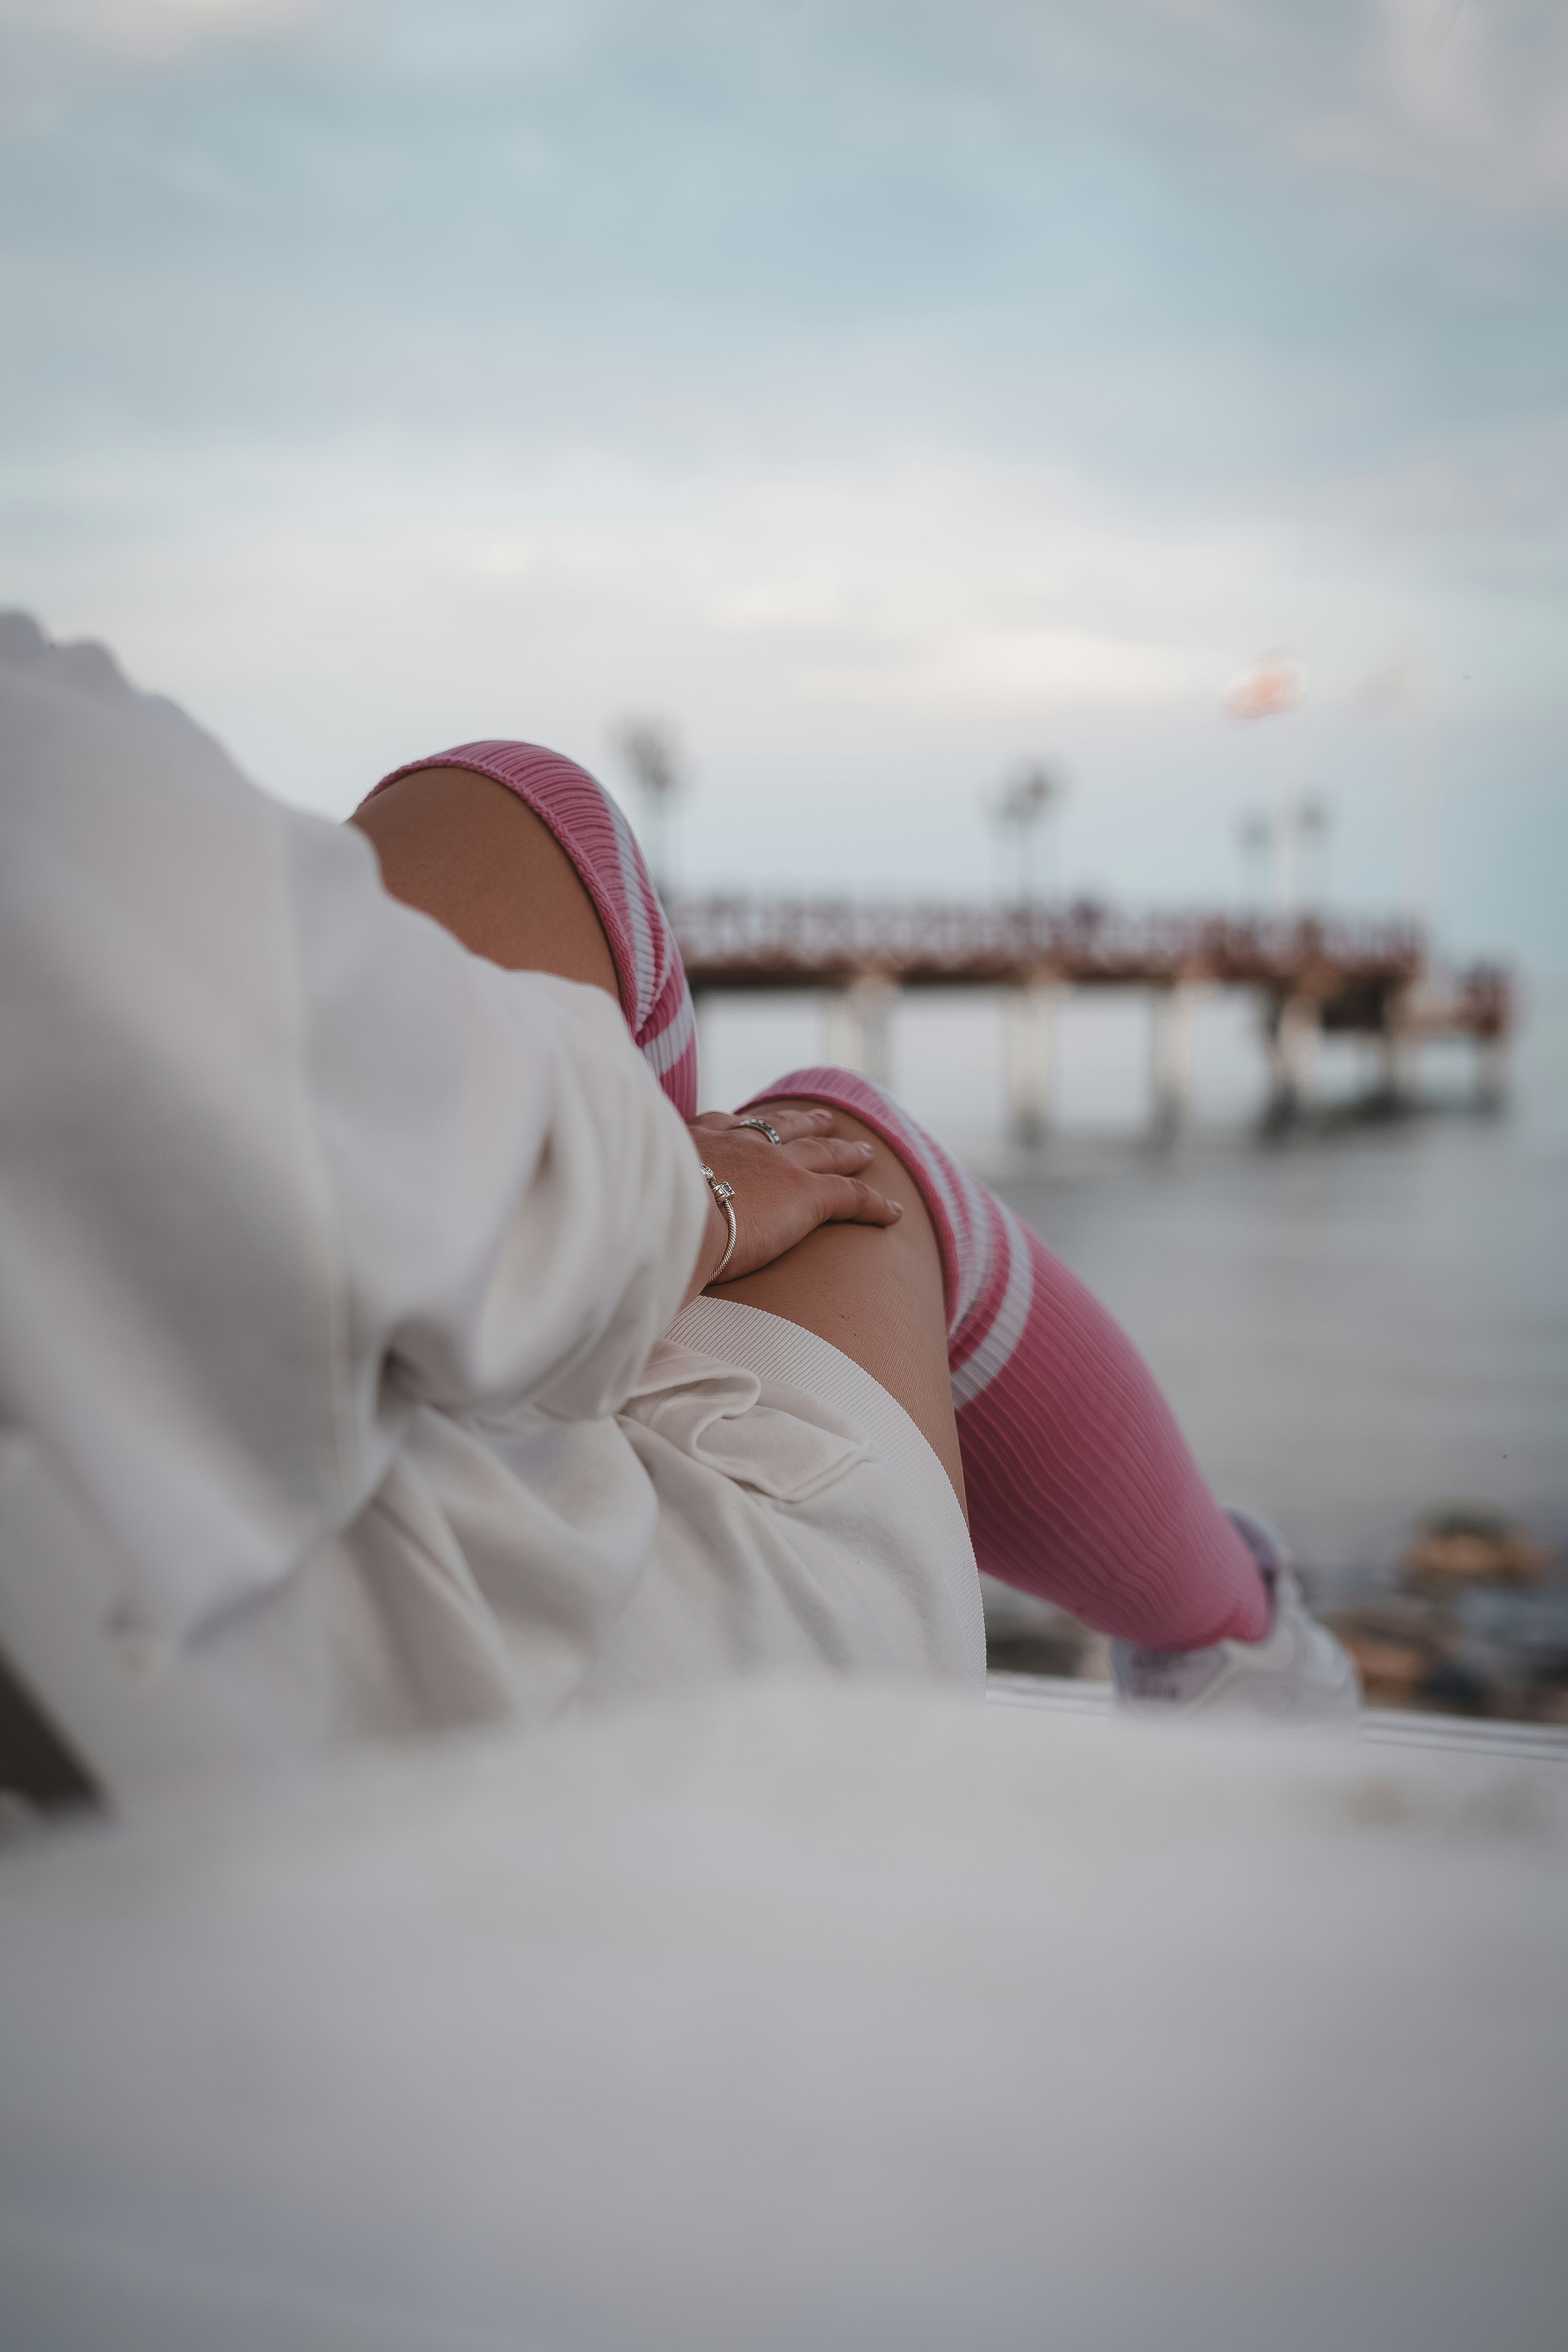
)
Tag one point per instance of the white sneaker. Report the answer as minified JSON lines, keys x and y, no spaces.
{"x":1298,"y":1672}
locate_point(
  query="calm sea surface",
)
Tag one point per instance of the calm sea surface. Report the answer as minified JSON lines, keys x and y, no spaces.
{"x":1358,"y":1322}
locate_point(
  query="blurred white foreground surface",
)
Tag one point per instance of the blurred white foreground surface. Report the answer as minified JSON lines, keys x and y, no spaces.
{"x":800,"y":2017}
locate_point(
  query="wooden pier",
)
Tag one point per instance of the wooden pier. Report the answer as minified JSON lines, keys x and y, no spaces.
{"x":1311,"y":976}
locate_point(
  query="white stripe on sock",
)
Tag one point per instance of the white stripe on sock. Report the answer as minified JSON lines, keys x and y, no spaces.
{"x":663,"y":1052}
{"x":1005,"y":1332}
{"x":636,"y":915}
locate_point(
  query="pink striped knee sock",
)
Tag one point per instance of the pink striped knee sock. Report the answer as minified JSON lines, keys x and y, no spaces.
{"x":603,"y":849}
{"x":1080,"y":1485}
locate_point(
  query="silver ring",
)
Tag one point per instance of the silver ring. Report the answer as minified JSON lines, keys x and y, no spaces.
{"x":769,"y":1129}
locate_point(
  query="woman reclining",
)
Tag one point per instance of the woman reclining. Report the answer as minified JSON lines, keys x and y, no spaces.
{"x":420,"y":1358}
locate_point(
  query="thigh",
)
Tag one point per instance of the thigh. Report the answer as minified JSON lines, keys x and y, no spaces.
{"x":876,"y":1294}
{"x":463,"y":848}
{"x":467,"y":851}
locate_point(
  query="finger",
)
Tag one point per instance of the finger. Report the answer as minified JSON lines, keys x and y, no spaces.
{"x":790,"y":1121}
{"x":850,"y":1200}
{"x":804,"y":1118}
{"x":827,"y":1155}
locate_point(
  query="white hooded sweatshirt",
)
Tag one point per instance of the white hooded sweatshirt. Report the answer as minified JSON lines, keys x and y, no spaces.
{"x":334,"y":1264}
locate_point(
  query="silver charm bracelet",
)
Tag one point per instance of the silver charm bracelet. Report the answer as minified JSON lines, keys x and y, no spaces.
{"x":724,"y":1193}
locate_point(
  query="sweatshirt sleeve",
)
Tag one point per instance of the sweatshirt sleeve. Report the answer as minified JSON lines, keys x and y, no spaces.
{"x":518,"y":1205}
{"x":279,"y":1161}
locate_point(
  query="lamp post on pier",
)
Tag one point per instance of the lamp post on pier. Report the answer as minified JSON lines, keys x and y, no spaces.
{"x":649,"y":750}
{"x":1023,"y":809}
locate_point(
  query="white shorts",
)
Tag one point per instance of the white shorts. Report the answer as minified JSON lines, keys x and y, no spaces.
{"x":804,"y":1521}
{"x":761,"y":1506}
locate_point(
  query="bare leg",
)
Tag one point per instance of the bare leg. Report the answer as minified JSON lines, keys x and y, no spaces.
{"x":875,"y":1295}
{"x":465,"y":849}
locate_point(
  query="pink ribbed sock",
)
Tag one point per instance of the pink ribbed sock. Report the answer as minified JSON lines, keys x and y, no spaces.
{"x":1081,"y":1485}
{"x":603,"y":849}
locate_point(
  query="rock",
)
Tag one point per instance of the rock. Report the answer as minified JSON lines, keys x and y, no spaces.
{"x":1469,"y":1543}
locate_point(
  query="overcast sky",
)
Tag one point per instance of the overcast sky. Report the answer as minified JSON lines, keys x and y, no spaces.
{"x":886,"y":394}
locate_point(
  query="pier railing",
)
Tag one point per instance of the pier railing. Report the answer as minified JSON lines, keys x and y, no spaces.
{"x":739,"y":943}
{"x":1312,"y":976}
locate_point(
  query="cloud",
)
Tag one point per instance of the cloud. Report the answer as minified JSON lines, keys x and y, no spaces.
{"x":55,"y":54}
{"x":1469,"y":97}
{"x":1037,"y":227}
{"x":875,"y":385}
{"x":144,"y":28}
{"x":1032,"y":671}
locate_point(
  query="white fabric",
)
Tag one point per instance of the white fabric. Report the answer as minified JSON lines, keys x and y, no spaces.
{"x":329,"y":1254}
{"x":825,"y":2018}
{"x":869,"y":1563}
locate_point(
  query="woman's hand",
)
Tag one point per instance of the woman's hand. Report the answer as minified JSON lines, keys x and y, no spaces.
{"x":783,"y":1191}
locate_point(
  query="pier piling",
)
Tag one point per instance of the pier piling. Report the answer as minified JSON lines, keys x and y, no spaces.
{"x":1031,"y":1044}
{"x":1292,"y":1033}
{"x":860,"y":1027}
{"x":1171,"y":1012}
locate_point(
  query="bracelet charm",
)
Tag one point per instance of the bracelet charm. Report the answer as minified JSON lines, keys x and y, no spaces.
{"x":724,"y":1193}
